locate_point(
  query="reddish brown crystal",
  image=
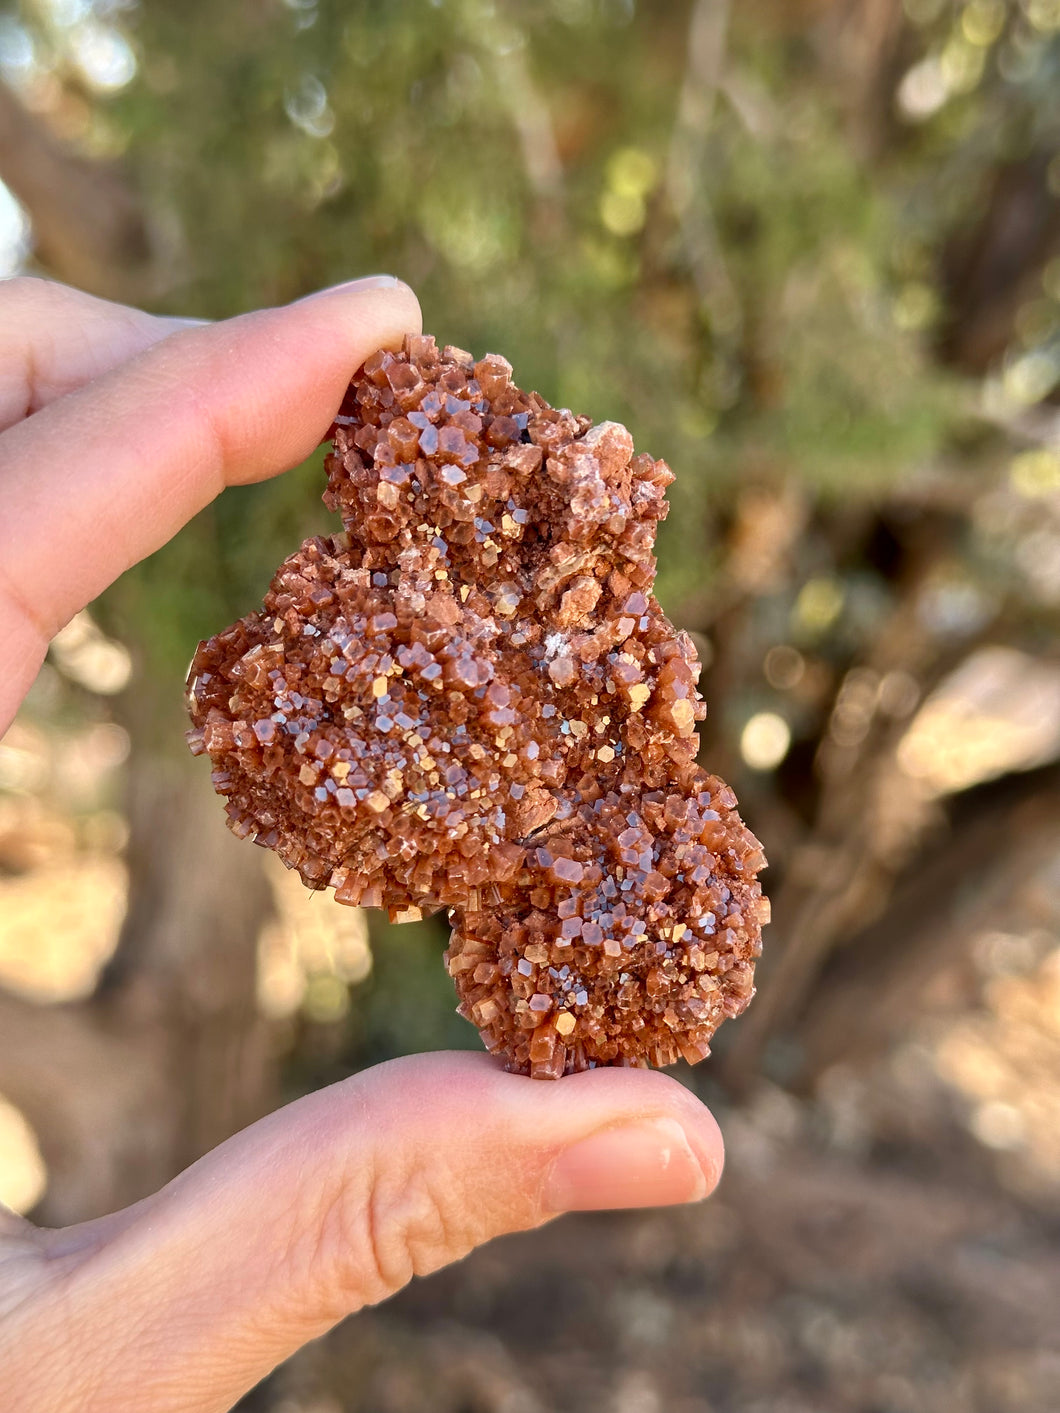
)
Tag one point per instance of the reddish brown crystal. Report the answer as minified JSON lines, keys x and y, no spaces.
{"x":470,"y":699}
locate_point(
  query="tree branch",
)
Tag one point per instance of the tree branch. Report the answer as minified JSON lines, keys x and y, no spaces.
{"x":685,"y":184}
{"x":79,"y":1081}
{"x":88,"y":225}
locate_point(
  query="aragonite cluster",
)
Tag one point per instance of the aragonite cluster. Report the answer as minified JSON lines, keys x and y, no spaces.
{"x":470,"y":699}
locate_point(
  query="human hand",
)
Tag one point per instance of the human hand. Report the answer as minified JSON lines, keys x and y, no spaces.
{"x":115,"y":428}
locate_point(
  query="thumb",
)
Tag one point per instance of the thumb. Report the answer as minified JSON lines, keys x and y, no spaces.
{"x":338,"y":1200}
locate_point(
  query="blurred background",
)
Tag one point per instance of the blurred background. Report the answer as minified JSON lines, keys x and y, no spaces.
{"x":809,"y":250}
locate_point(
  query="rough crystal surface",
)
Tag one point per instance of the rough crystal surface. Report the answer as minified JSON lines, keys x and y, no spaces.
{"x":470,"y":699}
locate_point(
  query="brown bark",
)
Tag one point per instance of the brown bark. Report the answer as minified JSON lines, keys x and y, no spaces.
{"x":993,"y":268}
{"x":89,"y":226}
{"x":169,"y":1056}
{"x":877,"y":985}
{"x":862,"y":44}
{"x":867,"y":825}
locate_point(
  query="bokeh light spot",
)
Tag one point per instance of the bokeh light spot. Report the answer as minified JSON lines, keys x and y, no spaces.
{"x":308,"y":108}
{"x":916,"y":307}
{"x":326,"y":1001}
{"x":103,"y":55}
{"x":1035,"y":473}
{"x":819,"y":604}
{"x":784,"y":667}
{"x":998,"y":1125}
{"x":85,"y":655}
{"x":1029,"y":379}
{"x":631,"y":172}
{"x":765,"y":740}
{"x":14,"y":234}
{"x":922,"y":91}
{"x":961,"y":64}
{"x":23,"y":1176}
{"x":1044,"y":15}
{"x":622,"y":214}
{"x":982,"y":21}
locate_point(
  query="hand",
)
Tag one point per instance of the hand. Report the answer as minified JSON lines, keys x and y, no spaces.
{"x":115,"y":428}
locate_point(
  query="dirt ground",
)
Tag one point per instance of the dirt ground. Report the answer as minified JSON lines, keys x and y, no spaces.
{"x":888,"y":1243}
{"x":877,"y":1273}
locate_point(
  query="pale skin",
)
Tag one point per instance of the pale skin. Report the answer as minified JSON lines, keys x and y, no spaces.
{"x":115,"y":428}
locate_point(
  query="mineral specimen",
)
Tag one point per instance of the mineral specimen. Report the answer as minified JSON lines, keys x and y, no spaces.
{"x":470,"y":699}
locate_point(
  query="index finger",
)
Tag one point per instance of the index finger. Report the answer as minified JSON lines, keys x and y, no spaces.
{"x":106,"y":475}
{"x":54,"y":338}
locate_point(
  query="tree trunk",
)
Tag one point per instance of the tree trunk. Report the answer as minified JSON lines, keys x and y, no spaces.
{"x":169,"y":1056}
{"x":89,"y":227}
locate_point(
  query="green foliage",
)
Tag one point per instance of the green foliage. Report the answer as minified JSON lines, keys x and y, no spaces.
{"x":728,"y":261}
{"x":522,"y":168}
{"x":407,"y":1004}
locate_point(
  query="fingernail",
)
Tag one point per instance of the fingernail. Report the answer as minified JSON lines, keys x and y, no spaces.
{"x":364,"y":283}
{"x":648,"y":1164}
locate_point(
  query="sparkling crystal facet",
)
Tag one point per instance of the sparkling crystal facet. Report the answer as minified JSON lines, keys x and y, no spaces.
{"x":471,"y":699}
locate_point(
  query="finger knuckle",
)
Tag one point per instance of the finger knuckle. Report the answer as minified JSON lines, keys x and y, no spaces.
{"x":411,"y":1227}
{"x":391,"y":1224}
